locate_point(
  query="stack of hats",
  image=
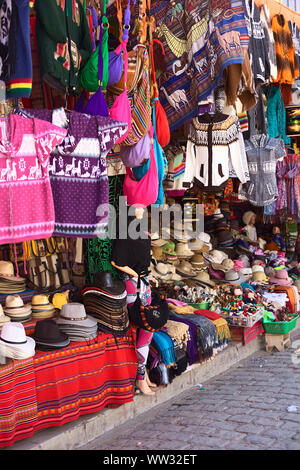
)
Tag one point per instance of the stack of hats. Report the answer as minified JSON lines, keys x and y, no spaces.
{"x":185,"y":269}
{"x":164,"y":272}
{"x":41,"y":307}
{"x":16,"y":310}
{"x":203,"y":279}
{"x":105,"y":300}
{"x":74,"y":321}
{"x":198,"y":264}
{"x":3,"y":318}
{"x":48,"y":336}
{"x":205,"y":239}
{"x":168,"y":250}
{"x":183,"y":251}
{"x":234,"y":277}
{"x":14,"y":343}
{"x":9,"y":283}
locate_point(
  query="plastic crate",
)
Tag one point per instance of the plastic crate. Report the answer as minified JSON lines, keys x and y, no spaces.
{"x":245,"y":322}
{"x":202,"y":305}
{"x":280,"y":327}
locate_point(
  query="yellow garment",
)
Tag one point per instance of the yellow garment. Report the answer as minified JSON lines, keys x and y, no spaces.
{"x":222,"y":328}
{"x":182,"y":310}
{"x":60,"y":299}
{"x":178,"y":331}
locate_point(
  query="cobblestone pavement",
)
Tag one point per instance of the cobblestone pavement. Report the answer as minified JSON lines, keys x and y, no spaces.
{"x":244,"y":408}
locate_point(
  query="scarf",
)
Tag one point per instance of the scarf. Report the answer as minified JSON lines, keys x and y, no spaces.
{"x":183,"y":310}
{"x":164,"y":344}
{"x":178,"y":331}
{"x":192,"y":347}
{"x":206,"y":333}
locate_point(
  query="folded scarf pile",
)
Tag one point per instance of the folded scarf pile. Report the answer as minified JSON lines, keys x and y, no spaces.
{"x":206,"y":332}
{"x":164,"y":344}
{"x":182,"y":310}
{"x":220,"y":323}
{"x":178,"y":331}
{"x":192,"y":344}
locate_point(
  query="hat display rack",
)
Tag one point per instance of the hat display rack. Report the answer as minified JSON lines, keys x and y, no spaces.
{"x":128,"y":112}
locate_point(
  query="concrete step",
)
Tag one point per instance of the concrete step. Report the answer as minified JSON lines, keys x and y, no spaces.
{"x":87,"y":428}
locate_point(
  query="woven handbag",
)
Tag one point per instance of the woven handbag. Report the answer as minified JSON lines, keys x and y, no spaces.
{"x":149,"y":317}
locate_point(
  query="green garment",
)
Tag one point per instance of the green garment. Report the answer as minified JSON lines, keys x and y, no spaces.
{"x":64,"y":43}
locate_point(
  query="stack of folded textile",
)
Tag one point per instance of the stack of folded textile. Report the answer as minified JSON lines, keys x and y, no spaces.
{"x":74,"y":321}
{"x":41,"y":307}
{"x":9,"y":283}
{"x":16,"y":310}
{"x":105,"y":300}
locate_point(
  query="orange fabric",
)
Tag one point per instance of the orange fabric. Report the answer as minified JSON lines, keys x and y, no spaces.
{"x":287,"y":63}
{"x":276,"y":8}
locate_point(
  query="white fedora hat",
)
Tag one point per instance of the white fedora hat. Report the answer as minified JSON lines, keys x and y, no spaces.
{"x":14,"y":343}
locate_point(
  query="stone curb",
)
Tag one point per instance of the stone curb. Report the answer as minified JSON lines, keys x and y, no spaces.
{"x":87,"y":428}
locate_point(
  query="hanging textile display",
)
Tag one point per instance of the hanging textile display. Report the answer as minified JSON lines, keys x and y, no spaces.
{"x":200,"y":40}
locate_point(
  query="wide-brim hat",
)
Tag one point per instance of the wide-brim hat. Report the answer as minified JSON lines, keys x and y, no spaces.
{"x":281,"y":282}
{"x":4,"y":319}
{"x":226,"y":265}
{"x":169,"y":249}
{"x":47,"y":333}
{"x":7,"y":272}
{"x":16,"y":342}
{"x":215,"y":256}
{"x":204,"y":279}
{"x":105,"y":282}
{"x":185,"y":269}
{"x":74,"y":314}
{"x":183,"y":251}
{"x":160,"y":270}
{"x":260,"y":277}
{"x":23,"y":311}
{"x":234,"y":277}
{"x":157,"y":253}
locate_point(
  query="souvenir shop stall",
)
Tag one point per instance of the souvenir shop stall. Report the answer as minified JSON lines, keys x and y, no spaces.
{"x":170,"y":107}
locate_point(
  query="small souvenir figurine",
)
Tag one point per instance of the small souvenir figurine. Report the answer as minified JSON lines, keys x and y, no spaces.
{"x":277,"y":238}
{"x":250,"y":229}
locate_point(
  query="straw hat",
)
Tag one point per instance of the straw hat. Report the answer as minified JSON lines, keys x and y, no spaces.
{"x":196,"y":245}
{"x":157,"y":252}
{"x":160,"y":270}
{"x":259,"y":277}
{"x":14,"y":307}
{"x":234,"y":277}
{"x":215,"y":256}
{"x":3,"y":318}
{"x":226,"y":265}
{"x":182,"y":251}
{"x":41,"y":307}
{"x":185,"y":269}
{"x":256,"y":268}
{"x":203,"y":278}
{"x":7,"y":272}
{"x":197,"y":261}
{"x":156,"y":240}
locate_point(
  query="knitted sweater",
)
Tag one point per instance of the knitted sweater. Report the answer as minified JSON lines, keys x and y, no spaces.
{"x":214,"y":152}
{"x":270,"y":42}
{"x":27,"y":210}
{"x":257,"y":49}
{"x":64,"y":42}
{"x":275,"y":114}
{"x":78,"y":173}
{"x":19,"y":82}
{"x":287,"y":63}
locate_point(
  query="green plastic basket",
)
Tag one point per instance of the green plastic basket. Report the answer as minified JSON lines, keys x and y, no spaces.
{"x":280,"y":327}
{"x":202,"y":305}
